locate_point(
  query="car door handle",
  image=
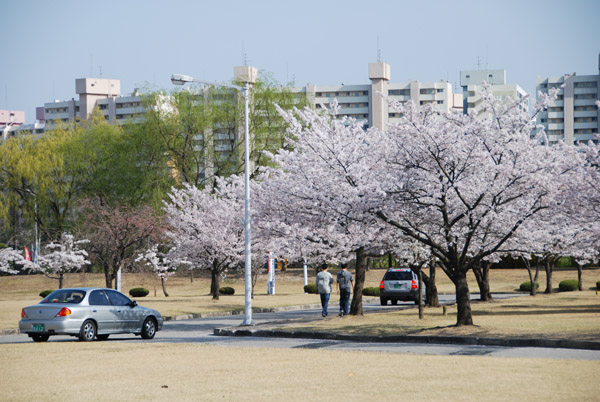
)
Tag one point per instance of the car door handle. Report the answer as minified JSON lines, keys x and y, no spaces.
{"x":94,"y":311}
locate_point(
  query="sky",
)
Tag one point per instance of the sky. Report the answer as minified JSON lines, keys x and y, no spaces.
{"x":48,"y":44}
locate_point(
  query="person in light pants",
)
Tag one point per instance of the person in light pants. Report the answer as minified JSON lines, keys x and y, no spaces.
{"x":324,"y":282}
{"x":344,"y":286}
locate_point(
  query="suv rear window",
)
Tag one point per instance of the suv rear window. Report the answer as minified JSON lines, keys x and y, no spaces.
{"x":398,"y":276}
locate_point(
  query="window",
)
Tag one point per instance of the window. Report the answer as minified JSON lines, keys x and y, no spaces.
{"x":98,"y":298}
{"x":117,"y":299}
{"x":440,"y":102}
{"x":439,"y":90}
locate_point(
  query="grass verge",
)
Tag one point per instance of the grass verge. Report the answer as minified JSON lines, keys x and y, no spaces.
{"x":109,"y":371}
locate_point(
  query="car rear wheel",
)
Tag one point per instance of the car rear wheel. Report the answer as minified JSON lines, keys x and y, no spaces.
{"x":383,"y":301}
{"x":394,"y":302}
{"x":87,"y":332}
{"x":40,"y":338}
{"x":149,"y":328}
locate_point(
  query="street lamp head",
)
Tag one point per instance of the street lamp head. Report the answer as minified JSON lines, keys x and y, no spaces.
{"x":180,"y":79}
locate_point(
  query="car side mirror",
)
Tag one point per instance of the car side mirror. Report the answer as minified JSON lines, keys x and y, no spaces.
{"x":133,"y":304}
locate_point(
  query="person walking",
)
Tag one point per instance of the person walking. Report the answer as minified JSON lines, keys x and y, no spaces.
{"x":344,"y":286}
{"x":324,"y":282}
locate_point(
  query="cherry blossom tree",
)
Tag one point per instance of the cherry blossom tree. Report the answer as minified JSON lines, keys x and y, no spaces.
{"x":315,"y":202}
{"x":164,"y":264}
{"x":117,"y":232}
{"x":464,"y":184}
{"x":208,"y":226}
{"x":8,"y":258}
{"x":62,"y":257}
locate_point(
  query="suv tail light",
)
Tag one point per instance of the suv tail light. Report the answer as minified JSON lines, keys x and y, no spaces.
{"x":381,"y":285}
{"x":414,"y":284}
{"x":63,"y":312}
{"x":23,"y":315}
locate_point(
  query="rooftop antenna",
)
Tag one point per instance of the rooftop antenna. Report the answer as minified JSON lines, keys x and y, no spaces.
{"x":478,"y":63}
{"x":378,"y":51}
{"x":244,"y":57}
{"x":91,"y":66}
{"x":100,"y":71}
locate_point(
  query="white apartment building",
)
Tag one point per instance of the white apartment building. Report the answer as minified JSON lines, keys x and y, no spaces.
{"x":573,"y":117}
{"x":471,"y":81}
{"x":367,"y":101}
{"x":362,"y":101}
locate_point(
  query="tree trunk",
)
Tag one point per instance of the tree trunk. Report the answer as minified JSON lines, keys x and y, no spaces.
{"x":191,"y":275}
{"x":432,"y":292}
{"x":579,"y":274}
{"x":214,"y":281}
{"x":61,"y":278}
{"x":464,"y":315}
{"x":359,"y":282}
{"x":390,"y":260}
{"x":421,"y":316}
{"x":482,"y":274}
{"x":164,"y":286}
{"x":107,"y":277}
{"x":548,"y":267}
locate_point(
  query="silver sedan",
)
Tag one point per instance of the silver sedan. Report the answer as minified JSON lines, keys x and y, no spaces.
{"x":88,"y":313}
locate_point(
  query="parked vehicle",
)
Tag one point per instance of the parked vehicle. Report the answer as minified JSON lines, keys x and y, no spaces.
{"x":88,"y":313}
{"x":400,"y":284}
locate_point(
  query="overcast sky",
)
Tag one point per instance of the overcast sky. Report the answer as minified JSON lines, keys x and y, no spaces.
{"x":46,"y":45}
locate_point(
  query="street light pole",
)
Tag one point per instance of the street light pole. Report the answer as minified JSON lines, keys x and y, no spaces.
{"x":248,"y":251}
{"x":179,"y":79}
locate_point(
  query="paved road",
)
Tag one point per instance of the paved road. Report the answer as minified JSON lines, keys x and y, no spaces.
{"x":201,"y":331}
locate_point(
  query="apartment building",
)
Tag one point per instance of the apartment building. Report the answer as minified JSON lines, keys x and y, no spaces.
{"x":367,"y":101}
{"x":471,"y":81}
{"x":574,"y":116}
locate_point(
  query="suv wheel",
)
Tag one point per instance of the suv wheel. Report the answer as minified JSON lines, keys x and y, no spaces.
{"x":383,"y":301}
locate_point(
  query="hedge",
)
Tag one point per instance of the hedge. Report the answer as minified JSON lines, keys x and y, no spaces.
{"x":568,"y":285}
{"x":46,"y":292}
{"x":371,"y":291}
{"x":139,"y":292}
{"x":226,"y":290}
{"x":526,"y":286}
{"x":311,"y":288}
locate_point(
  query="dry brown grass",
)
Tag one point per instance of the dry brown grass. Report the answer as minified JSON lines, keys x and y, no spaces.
{"x":108,"y":371}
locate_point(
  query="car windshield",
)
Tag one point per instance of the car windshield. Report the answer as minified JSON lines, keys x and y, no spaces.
{"x":71,"y":296}
{"x":398,"y":276}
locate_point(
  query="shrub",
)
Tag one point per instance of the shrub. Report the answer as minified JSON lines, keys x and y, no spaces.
{"x":526,"y":286}
{"x":139,"y":292}
{"x":226,"y":290}
{"x":311,"y":288}
{"x":372,"y":291}
{"x":46,"y":292}
{"x":568,"y":285}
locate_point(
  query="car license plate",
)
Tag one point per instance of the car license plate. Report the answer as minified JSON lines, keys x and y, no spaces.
{"x":397,"y":286}
{"x":38,"y":328}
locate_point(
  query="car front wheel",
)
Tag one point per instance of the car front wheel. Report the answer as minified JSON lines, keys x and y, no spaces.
{"x":149,"y":328}
{"x":87,"y":332}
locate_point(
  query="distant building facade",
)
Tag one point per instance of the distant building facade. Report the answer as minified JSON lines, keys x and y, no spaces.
{"x":471,"y":81}
{"x":367,"y":101}
{"x":573,"y":117}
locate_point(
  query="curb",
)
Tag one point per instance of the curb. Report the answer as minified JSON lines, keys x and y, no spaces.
{"x":444,"y":340}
